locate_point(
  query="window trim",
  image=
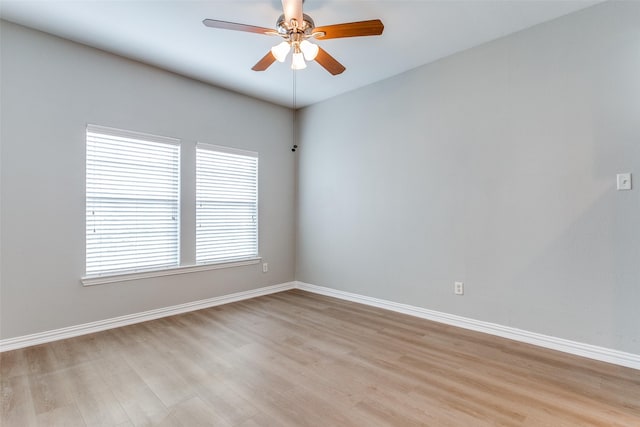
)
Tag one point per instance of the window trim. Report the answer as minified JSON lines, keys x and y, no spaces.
{"x":172,"y":271}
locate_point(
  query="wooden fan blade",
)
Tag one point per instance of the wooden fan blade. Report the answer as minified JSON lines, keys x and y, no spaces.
{"x":224,"y":25}
{"x":329,"y":62}
{"x":292,"y":10}
{"x":350,"y":29}
{"x":265,"y":62}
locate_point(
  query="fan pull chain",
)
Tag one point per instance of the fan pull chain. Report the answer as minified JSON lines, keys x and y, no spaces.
{"x":294,"y":103}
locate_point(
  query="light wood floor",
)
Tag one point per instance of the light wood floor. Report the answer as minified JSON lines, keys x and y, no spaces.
{"x":298,"y":359}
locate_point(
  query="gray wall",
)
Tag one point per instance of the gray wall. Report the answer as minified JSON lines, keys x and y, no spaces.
{"x":495,"y":166}
{"x":51,"y":89}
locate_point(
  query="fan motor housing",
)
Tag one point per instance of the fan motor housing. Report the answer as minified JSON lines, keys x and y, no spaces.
{"x":284,"y":28}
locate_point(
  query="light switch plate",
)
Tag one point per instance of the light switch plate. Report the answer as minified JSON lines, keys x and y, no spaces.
{"x":623,"y":181}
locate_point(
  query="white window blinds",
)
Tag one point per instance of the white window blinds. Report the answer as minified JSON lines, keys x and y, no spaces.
{"x":226,"y":204}
{"x":132,"y":201}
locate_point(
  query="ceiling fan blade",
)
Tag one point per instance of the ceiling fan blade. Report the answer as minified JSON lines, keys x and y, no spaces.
{"x":373,"y":27}
{"x":292,"y":10}
{"x":224,"y":25}
{"x":329,"y":62}
{"x":265,"y":62}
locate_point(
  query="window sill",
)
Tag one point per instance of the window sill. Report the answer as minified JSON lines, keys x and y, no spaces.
{"x":114,"y":278}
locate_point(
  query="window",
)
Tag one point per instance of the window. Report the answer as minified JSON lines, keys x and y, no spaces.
{"x":133,"y":192}
{"x":132,"y":201}
{"x":226,"y":204}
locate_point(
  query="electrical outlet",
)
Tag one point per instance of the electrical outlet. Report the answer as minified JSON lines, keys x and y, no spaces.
{"x":265,"y":267}
{"x":458,"y":288}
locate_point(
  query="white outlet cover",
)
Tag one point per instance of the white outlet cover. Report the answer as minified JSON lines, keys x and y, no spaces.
{"x":623,"y":181}
{"x":458,"y":288}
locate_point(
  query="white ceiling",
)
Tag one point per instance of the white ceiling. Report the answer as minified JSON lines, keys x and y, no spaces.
{"x":170,"y":34}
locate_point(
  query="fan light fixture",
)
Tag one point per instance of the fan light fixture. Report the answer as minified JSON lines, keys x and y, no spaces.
{"x":297,"y":60}
{"x":309,"y":50}
{"x":281,"y":51}
{"x":304,"y":50}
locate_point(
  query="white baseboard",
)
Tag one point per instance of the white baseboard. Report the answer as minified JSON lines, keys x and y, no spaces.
{"x":572,"y":347}
{"x":567,"y":346}
{"x":116,"y":322}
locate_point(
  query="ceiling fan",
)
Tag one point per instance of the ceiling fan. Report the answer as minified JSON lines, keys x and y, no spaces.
{"x":296,"y":28}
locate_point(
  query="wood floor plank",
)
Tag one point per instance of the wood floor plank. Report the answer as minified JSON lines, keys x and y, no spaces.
{"x":102,"y":408}
{"x":50,"y":391}
{"x":13,"y":363}
{"x":40,"y":359}
{"x":193,"y":412}
{"x":233,"y":407}
{"x":16,"y":403}
{"x":299,"y":359}
{"x":62,"y":416}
